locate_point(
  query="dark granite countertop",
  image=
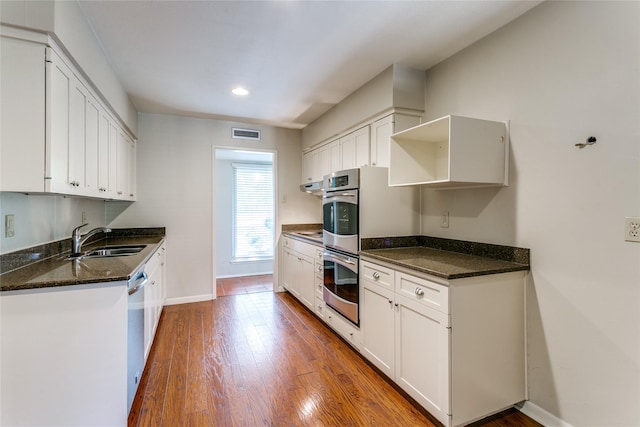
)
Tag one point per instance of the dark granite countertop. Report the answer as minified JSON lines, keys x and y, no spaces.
{"x":446,"y":258}
{"x":310,"y":233}
{"x":54,"y":270}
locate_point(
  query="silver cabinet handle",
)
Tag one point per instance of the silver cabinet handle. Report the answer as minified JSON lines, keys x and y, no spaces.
{"x":419,"y":292}
{"x":376,"y":275}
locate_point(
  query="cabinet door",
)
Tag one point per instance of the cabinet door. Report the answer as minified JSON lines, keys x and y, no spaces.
{"x":104,"y":155}
{"x":290,"y":273}
{"x":132,"y":169}
{"x":324,"y":163}
{"x":348,"y":151}
{"x":377,"y":326}
{"x":123,"y":166}
{"x":335,"y":163}
{"x":309,"y":161}
{"x":113,"y":160}
{"x":422,"y":355}
{"x":361,"y":137}
{"x":92,"y":147}
{"x":22,"y":114}
{"x":307,"y":280}
{"x":59,"y":87}
{"x":77,"y":135}
{"x":381,"y":131}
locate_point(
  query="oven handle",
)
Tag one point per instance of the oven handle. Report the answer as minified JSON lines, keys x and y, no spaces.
{"x":346,"y":197}
{"x":342,"y":260}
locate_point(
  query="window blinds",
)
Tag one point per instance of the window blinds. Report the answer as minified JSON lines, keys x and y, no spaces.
{"x":253,"y":211}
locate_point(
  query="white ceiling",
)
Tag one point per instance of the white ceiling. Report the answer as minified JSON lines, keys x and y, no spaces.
{"x":298,"y":58}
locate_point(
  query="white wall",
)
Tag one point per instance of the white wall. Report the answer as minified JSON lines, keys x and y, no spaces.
{"x":66,"y":23}
{"x":560,"y":73}
{"x":45,"y":218}
{"x":175,"y":187}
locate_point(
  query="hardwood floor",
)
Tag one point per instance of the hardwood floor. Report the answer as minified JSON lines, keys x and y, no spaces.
{"x":244,"y":285}
{"x":262,"y":359}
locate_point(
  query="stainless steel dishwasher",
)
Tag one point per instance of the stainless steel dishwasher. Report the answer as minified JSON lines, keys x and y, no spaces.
{"x":135,"y":332}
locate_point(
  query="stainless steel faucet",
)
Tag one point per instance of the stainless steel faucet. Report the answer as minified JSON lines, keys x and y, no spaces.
{"x":77,"y":240}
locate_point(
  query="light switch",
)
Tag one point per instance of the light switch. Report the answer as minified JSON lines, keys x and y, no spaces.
{"x":9,"y":226}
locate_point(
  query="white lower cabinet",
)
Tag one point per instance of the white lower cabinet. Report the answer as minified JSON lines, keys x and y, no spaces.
{"x":299,"y":270}
{"x":302,"y":275}
{"x":64,"y":356}
{"x":456,"y":347}
{"x":153,"y":297}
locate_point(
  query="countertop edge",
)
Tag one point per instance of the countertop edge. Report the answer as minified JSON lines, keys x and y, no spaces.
{"x":409,"y":266}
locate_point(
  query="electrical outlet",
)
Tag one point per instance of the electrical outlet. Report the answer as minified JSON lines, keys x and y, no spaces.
{"x":9,"y":226}
{"x":632,"y":229}
{"x":444,"y":221}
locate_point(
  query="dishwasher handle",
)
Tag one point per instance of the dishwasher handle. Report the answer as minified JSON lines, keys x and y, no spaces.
{"x":139,"y":281}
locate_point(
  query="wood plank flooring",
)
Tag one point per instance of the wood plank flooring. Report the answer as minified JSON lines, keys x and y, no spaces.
{"x":244,"y":285}
{"x":262,"y":359}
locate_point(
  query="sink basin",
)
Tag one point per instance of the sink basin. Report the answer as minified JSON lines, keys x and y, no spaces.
{"x":110,"y":251}
{"x":114,"y":251}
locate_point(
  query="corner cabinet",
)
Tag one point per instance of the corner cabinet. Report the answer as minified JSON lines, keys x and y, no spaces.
{"x":57,"y":137}
{"x":457,"y":347}
{"x":451,"y":152}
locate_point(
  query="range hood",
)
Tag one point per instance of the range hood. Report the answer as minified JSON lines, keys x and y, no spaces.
{"x":314,"y":188}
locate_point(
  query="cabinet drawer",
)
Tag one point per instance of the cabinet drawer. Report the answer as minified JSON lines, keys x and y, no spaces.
{"x":377,"y":274}
{"x":343,"y":327}
{"x":318,"y":307}
{"x":423,"y":291}
{"x":307,"y":249}
{"x":318,"y":285}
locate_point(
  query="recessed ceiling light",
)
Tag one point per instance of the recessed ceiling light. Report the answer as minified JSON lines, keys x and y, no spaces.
{"x":240,"y":91}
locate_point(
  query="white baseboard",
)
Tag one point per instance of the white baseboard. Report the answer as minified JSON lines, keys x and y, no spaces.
{"x":186,"y":300}
{"x":231,"y":276}
{"x":545,"y":418}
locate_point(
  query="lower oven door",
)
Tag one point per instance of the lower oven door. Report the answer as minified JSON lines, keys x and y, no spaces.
{"x":340,"y":290}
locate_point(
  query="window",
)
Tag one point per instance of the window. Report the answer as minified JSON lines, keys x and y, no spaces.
{"x":252,"y":211}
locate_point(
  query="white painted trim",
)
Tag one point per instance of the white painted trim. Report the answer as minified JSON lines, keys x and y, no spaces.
{"x":230,"y":276}
{"x":186,"y":300}
{"x":540,"y":415}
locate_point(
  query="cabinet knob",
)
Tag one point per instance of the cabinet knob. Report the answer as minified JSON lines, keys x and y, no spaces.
{"x":390,"y":301}
{"x":376,"y":275}
{"x":419,"y":292}
{"x":396,"y":304}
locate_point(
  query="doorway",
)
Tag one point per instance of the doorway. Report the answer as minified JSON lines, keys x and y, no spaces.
{"x":244,"y":212}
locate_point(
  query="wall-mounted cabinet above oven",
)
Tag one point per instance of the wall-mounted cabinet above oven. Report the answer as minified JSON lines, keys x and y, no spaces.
{"x":451,"y":152}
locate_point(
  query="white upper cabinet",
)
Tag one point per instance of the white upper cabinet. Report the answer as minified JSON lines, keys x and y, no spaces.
{"x":381,"y":131}
{"x":451,"y":152}
{"x":22,"y":115}
{"x":56,"y":136}
{"x":354,"y":149}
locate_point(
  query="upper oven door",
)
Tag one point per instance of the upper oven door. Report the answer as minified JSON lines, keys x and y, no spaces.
{"x":340,"y":220}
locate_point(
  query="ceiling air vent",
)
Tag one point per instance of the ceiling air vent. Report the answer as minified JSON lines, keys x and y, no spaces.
{"x":245,"y":134}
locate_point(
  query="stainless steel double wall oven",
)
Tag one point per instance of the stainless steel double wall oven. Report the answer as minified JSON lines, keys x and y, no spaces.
{"x":340,"y":235}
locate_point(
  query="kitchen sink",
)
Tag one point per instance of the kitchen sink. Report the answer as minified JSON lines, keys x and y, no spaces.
{"x":110,"y":251}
